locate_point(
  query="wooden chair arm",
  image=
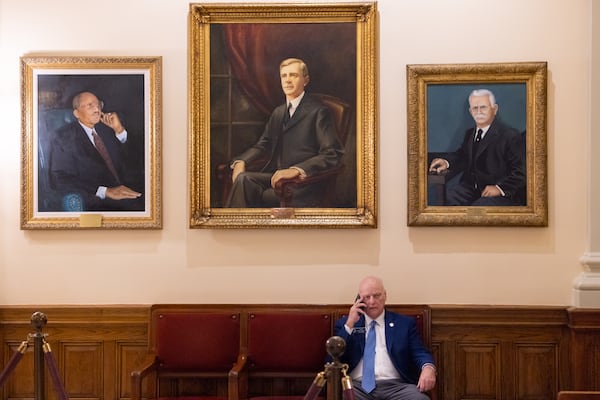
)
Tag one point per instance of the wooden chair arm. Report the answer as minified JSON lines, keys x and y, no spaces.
{"x":149,"y":365}
{"x":283,"y":188}
{"x":238,"y":379}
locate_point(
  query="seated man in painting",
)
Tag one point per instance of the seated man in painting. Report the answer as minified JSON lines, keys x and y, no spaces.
{"x":299,"y":140}
{"x":86,"y":162}
{"x":491,"y":159}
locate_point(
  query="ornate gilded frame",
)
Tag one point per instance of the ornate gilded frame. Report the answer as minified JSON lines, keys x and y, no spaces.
{"x":49,"y":83}
{"x":201,"y":17}
{"x":422,"y":81}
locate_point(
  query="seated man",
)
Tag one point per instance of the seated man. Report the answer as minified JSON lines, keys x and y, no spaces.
{"x":492,"y":158}
{"x":87,"y":161}
{"x":386,"y":357}
{"x":299,"y":140}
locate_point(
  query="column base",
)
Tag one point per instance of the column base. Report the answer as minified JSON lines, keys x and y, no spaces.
{"x":586,"y":287}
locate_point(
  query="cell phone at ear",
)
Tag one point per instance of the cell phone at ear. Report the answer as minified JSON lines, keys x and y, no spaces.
{"x":357,"y":297}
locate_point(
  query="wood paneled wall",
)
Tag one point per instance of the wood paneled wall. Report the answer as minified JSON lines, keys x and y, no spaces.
{"x":482,"y":352}
{"x":95,"y":349}
{"x":500,"y":352}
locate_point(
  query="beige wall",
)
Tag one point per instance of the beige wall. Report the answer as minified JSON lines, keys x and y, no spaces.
{"x":432,"y":265}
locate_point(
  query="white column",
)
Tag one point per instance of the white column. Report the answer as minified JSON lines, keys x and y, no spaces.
{"x":586,"y":288}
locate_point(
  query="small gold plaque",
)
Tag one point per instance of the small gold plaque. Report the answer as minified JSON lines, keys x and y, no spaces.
{"x":90,"y":220}
{"x":476,"y":212}
{"x":282,"y":213}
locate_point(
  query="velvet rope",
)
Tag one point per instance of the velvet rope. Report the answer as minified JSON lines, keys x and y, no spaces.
{"x":315,"y":387}
{"x":12,"y":363}
{"x":51,"y":363}
{"x":347,"y":389}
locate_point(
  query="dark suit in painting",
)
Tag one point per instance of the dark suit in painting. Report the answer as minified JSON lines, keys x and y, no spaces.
{"x":307,"y":141}
{"x":77,"y":170}
{"x":499,"y":160}
{"x":492,"y":160}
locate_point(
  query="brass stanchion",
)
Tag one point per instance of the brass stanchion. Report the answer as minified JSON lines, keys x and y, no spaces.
{"x":335,"y":371}
{"x":38,"y":320}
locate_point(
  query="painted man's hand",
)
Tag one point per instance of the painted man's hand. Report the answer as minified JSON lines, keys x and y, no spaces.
{"x":112,"y":119}
{"x":238,"y":168}
{"x":287,"y":173}
{"x":121,"y":192}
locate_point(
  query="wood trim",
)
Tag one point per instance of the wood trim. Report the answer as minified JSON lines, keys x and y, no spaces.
{"x":493,"y":352}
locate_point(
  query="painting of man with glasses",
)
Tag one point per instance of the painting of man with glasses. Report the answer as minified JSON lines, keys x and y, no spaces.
{"x":91,"y":158}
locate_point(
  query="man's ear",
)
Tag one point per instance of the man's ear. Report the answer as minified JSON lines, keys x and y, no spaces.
{"x":307,"y":79}
{"x":76,"y":114}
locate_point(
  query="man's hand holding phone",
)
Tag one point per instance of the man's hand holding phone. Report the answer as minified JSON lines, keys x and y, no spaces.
{"x":355,"y":311}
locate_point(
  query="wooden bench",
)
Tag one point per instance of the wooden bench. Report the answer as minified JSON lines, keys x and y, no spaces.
{"x":240,"y":352}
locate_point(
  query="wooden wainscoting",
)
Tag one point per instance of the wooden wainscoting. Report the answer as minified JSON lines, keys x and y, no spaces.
{"x":482,"y":352}
{"x":501,"y":352}
{"x":95,"y":348}
{"x":584,"y":326}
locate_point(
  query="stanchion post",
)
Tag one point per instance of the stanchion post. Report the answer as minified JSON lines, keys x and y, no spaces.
{"x":335,"y":346}
{"x":38,"y":320}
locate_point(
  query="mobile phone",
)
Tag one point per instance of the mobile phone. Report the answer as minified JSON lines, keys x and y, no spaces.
{"x":357,"y":297}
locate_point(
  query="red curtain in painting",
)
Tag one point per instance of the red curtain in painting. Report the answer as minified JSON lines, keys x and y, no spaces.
{"x":255,"y":51}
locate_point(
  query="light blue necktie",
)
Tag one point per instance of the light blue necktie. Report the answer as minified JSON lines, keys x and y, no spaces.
{"x":368,"y":378}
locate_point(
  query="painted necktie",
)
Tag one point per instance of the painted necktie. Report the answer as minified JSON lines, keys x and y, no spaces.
{"x":476,"y":142}
{"x":286,"y":116}
{"x":99,"y":143}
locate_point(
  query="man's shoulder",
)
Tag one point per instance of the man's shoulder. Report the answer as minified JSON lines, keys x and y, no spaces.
{"x":69,"y":129}
{"x":395,"y":316}
{"x":504,"y":128}
{"x":311,"y":100}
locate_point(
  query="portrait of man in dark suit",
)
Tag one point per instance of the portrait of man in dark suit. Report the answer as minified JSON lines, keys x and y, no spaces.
{"x":91,"y":144}
{"x":250,"y":96}
{"x":299,"y":140}
{"x":489,"y":165}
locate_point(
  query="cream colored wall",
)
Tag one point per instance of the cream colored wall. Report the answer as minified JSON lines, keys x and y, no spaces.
{"x":425,"y":264}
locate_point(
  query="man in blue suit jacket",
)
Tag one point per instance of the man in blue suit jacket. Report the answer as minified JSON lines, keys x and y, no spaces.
{"x":404,"y":368}
{"x":299,"y":140}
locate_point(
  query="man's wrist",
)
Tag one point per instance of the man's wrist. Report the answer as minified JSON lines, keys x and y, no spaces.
{"x":348,"y":329}
{"x":501,"y":191}
{"x":302,"y":172}
{"x":235,"y":162}
{"x":429,"y":365}
{"x":101,"y":192}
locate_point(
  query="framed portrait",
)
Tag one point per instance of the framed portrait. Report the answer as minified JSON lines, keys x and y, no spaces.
{"x":91,"y":142}
{"x":283,"y":109}
{"x":477,"y":151}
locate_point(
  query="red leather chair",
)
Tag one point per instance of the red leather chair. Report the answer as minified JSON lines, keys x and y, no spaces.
{"x":189,"y":352}
{"x":282,"y":345}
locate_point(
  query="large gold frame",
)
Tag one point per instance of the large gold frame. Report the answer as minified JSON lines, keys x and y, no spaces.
{"x":151,"y":70}
{"x":534,"y":76}
{"x":201,"y":16}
